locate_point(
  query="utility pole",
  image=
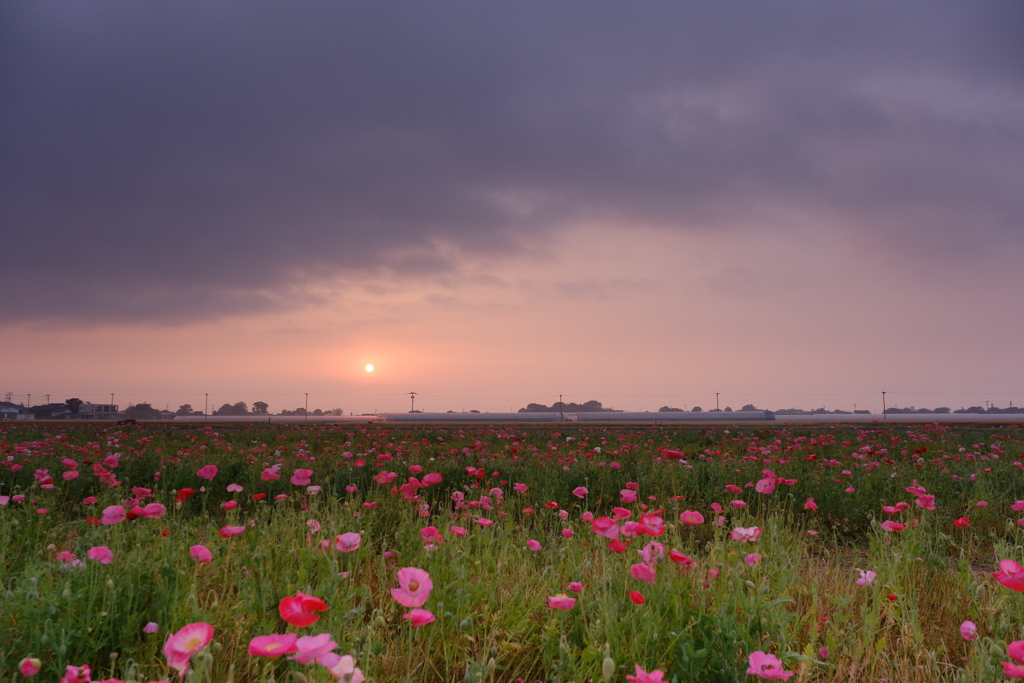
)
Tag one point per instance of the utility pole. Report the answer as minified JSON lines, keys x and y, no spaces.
{"x":412,"y":401}
{"x":307,"y":406}
{"x":206,"y":407}
{"x":561,"y":407}
{"x":885,"y":416}
{"x":48,"y":399}
{"x":30,"y":400}
{"x":716,"y":401}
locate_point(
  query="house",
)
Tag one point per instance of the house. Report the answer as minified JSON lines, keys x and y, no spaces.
{"x":9,"y":411}
{"x":97,"y":411}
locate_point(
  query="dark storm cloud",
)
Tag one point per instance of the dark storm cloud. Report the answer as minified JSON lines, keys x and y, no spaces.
{"x":175,"y":161}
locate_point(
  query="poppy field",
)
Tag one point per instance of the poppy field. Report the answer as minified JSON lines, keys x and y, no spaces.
{"x":646,"y":553}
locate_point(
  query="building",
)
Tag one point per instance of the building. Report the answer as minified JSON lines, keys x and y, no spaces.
{"x":97,"y":411}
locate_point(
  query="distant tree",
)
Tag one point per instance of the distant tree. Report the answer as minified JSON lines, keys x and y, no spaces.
{"x":142,"y":411}
{"x":318,"y":411}
{"x":749,"y":406}
{"x":73,"y":404}
{"x":184,"y":409}
{"x":260,"y":408}
{"x":942,"y":410}
{"x":667,"y":409}
{"x":728,"y":409}
{"x":240,"y":408}
{"x":299,"y":411}
{"x":474,"y":411}
{"x":696,"y":409}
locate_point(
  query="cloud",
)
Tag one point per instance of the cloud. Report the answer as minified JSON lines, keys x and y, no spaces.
{"x":166,"y":163}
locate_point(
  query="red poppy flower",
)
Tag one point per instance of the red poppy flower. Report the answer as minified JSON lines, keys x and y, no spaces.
{"x":92,"y":520}
{"x":636,"y":598}
{"x":165,"y":532}
{"x":183,"y":495}
{"x":259,"y":496}
{"x":617,"y":546}
{"x":551,"y":506}
{"x":299,"y":610}
{"x":891,"y":597}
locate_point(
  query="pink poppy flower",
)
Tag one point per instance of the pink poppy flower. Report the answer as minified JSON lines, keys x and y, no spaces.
{"x":567,"y":533}
{"x":752,"y":559}
{"x":521,"y":488}
{"x":113,"y":514}
{"x":605,"y":526}
{"x":738,"y":504}
{"x":1010,"y":574}
{"x":691,"y":518}
{"x":889,"y":525}
{"x":533,"y":545}
{"x":745,"y":534}
{"x":580,"y":491}
{"x":207,"y":472}
{"x":200,"y":553}
{"x":619,"y":514}
{"x":810,"y":505}
{"x":189,"y":640}
{"x":458,"y":531}
{"x":969,"y":630}
{"x":1018,"y":506}
{"x":308,"y":648}
{"x":154,"y":511}
{"x":643,"y":571}
{"x":347,"y":542}
{"x":652,"y":553}
{"x":70,"y":474}
{"x":343,"y":668}
{"x":415,"y":469}
{"x":431,"y":479}
{"x":300,"y":609}
{"x":867,"y":578}
{"x":234,"y":488}
{"x":926,"y":501}
{"x":29,"y":666}
{"x":151,"y":627}
{"x":419,"y":617}
{"x":273,"y":645}
{"x":575,"y":586}
{"x":91,"y":500}
{"x":229,"y":504}
{"x":765,"y":486}
{"x":270,"y":473}
{"x":414,"y":587}
{"x":77,"y":674}
{"x":767,"y":666}
{"x":656,"y":676}
{"x":627,"y":496}
{"x":561,"y":601}
{"x":1016,"y":650}
{"x":229,"y":531}
{"x":1013,"y":670}
{"x":301,"y":477}
{"x":101,"y":554}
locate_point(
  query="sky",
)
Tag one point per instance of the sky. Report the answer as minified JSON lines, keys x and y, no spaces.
{"x":793,"y":204}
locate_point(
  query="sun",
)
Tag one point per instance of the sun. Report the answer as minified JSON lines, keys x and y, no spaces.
{"x":369,"y":367}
